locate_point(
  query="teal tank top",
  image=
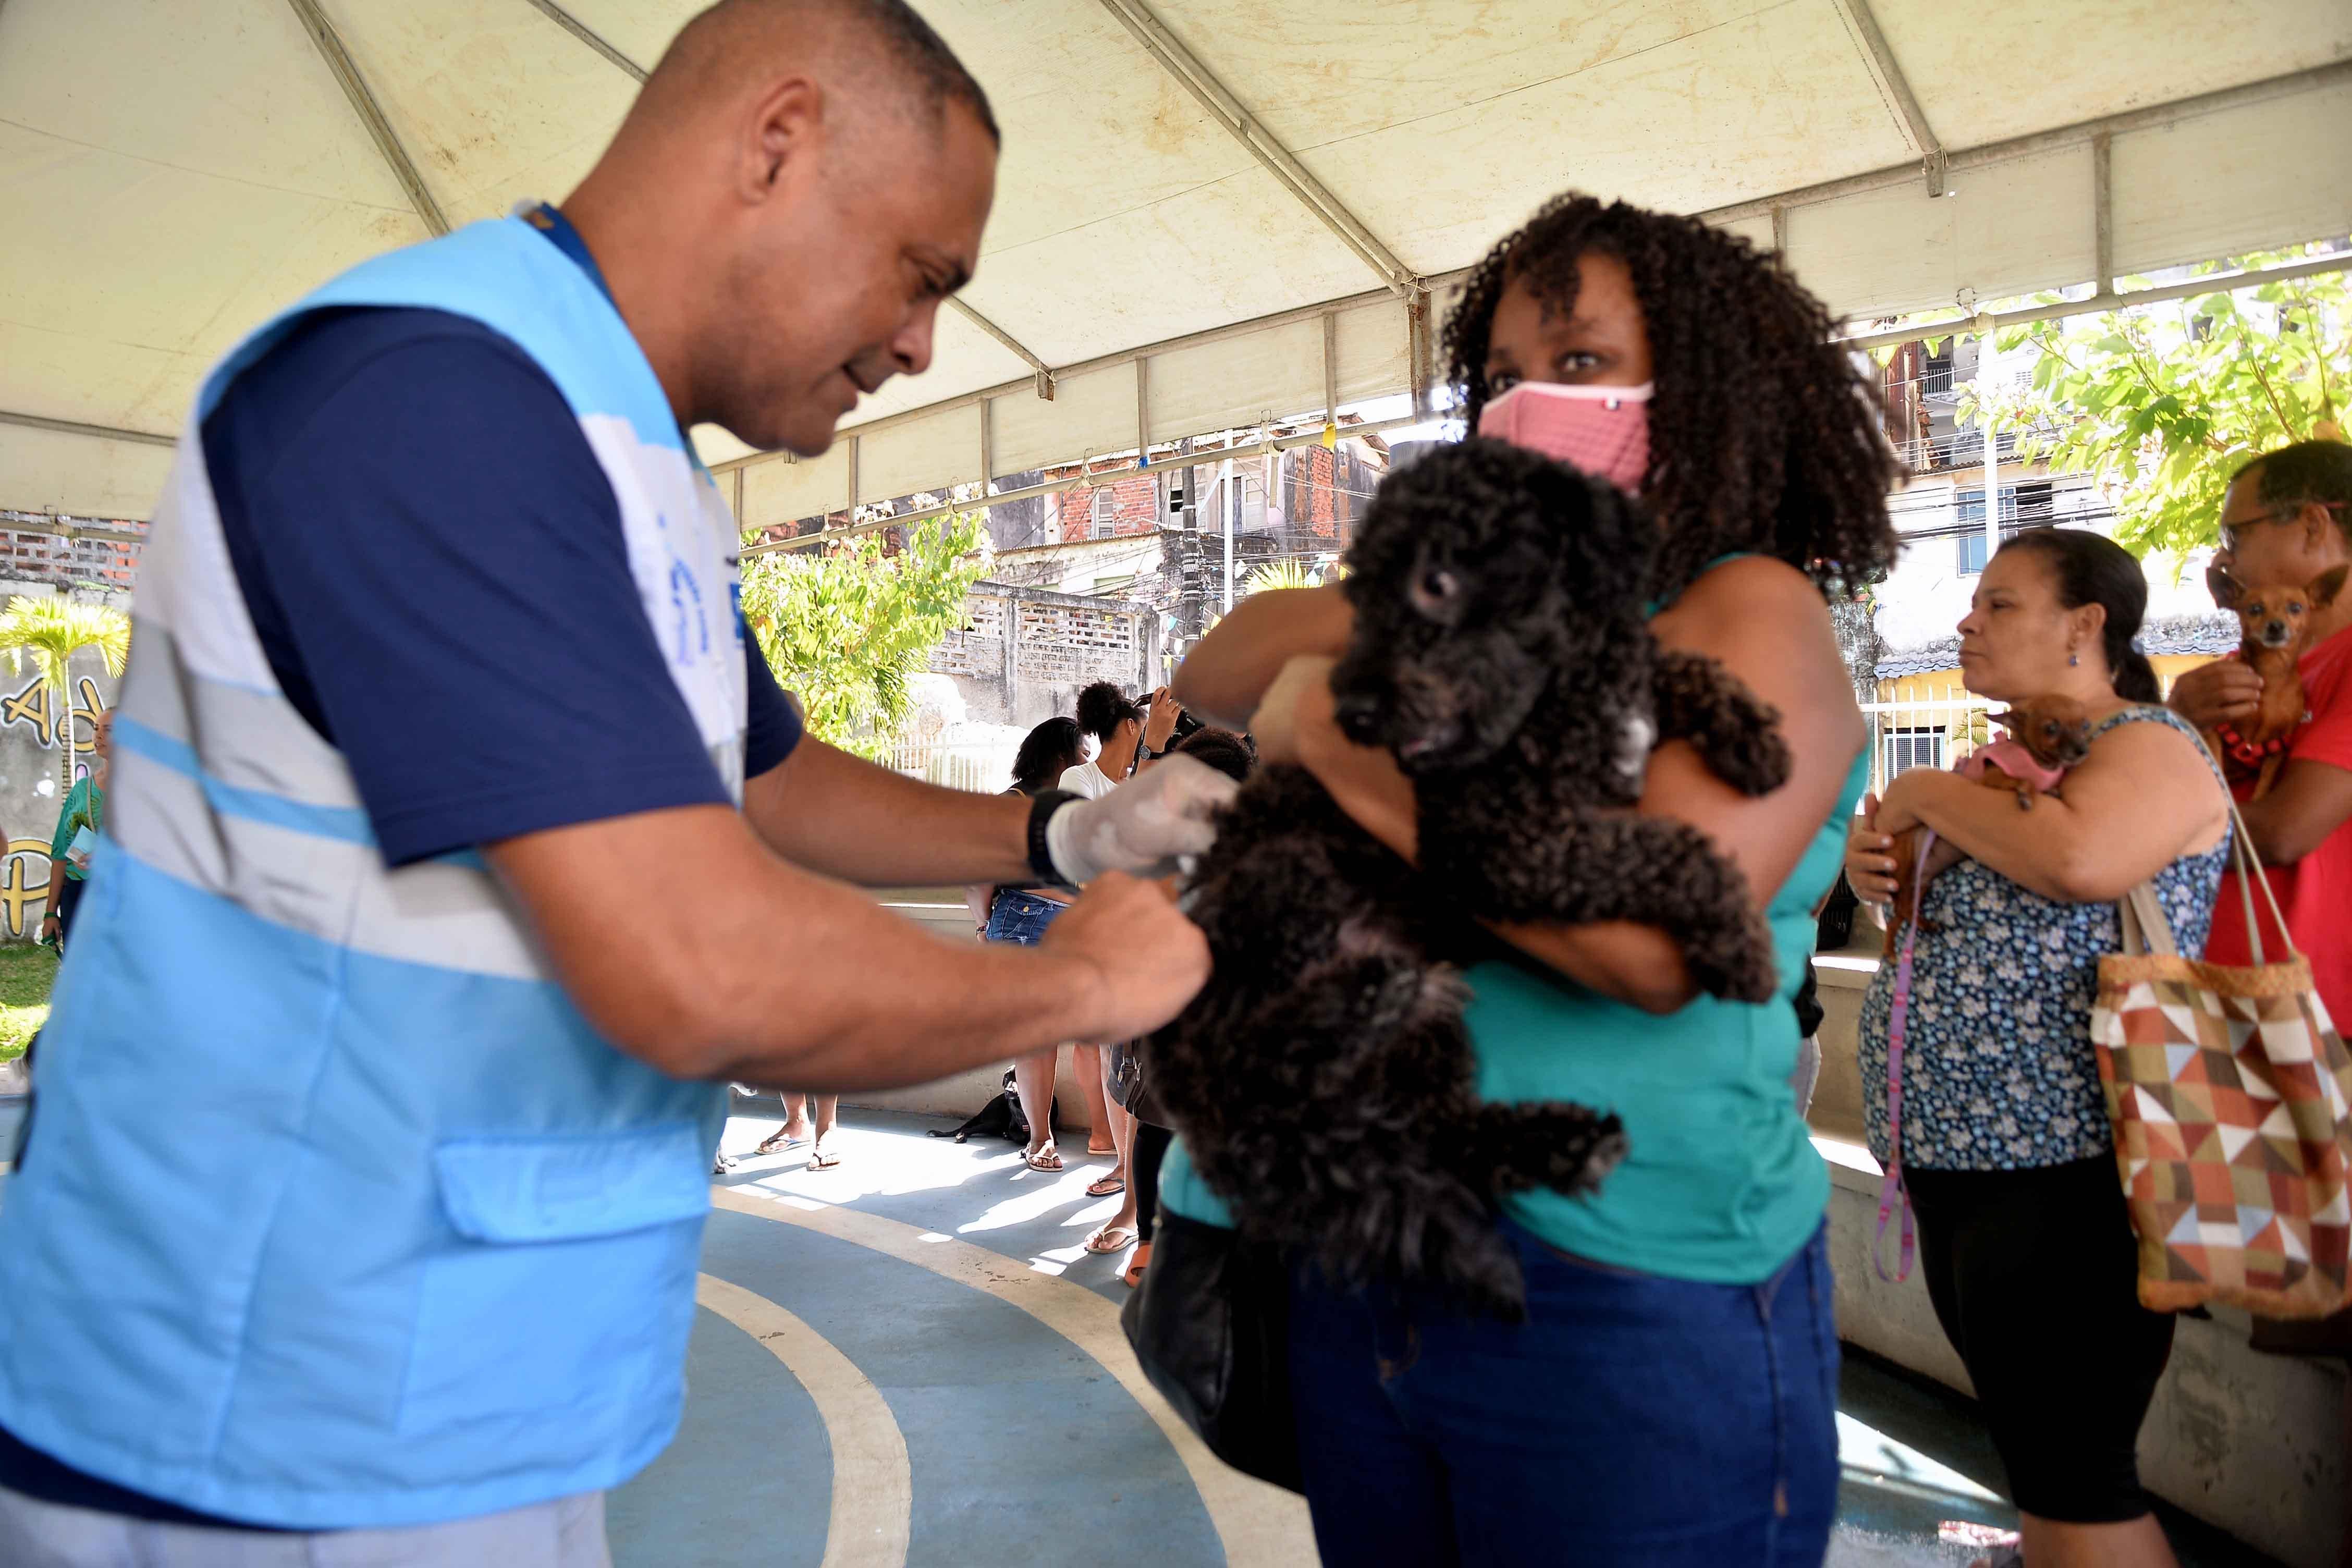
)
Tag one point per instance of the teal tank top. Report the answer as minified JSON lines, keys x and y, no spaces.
{"x":1720,"y":1182}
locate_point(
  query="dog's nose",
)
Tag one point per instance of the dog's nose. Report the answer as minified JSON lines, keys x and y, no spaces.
{"x":1356,"y":713}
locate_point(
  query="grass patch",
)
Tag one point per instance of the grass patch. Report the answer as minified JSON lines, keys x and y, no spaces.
{"x":26,"y":972}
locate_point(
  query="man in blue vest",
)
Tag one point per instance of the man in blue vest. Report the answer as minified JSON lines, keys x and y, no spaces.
{"x":438,"y":674}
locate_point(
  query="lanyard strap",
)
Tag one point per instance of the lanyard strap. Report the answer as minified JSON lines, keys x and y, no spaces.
{"x":1891,"y":1194}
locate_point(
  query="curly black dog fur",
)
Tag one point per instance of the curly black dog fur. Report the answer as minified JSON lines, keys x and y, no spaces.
{"x":1324,"y":1081}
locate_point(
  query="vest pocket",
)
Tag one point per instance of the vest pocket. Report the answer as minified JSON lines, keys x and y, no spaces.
{"x":566,"y":1281}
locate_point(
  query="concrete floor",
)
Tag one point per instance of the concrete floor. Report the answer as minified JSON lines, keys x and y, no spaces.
{"x":911,"y":1359}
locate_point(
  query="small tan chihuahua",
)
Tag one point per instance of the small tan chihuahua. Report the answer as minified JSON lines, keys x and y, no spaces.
{"x":2276,"y":618}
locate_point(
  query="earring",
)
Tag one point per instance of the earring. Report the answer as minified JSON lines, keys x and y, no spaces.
{"x":2073,"y":660}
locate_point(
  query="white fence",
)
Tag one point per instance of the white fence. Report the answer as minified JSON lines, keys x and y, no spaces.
{"x":984,"y":767}
{"x":1933,"y":731}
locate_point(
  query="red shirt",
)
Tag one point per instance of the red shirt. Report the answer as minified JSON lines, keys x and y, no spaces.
{"x":2316,"y":892}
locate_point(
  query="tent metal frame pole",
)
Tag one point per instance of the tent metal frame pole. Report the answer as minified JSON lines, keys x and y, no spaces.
{"x":588,"y":36}
{"x":1895,"y":88}
{"x":1082,"y":479}
{"x":1123,"y":357}
{"x":2210,"y":283}
{"x":355,"y":88}
{"x":2153,"y":117}
{"x":74,"y":428}
{"x":2103,"y":210}
{"x":1261,"y":144}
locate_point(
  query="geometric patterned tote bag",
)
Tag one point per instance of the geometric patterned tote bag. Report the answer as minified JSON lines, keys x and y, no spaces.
{"x":2230,"y":1096}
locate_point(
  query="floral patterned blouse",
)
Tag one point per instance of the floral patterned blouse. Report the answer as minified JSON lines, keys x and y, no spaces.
{"x":1998,"y":1071}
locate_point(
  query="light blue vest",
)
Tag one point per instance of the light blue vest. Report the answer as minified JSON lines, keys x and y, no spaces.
{"x":336,"y":1212}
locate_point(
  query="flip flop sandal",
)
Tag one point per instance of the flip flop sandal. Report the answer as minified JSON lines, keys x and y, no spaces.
{"x":1100,"y":1242}
{"x":1133,"y":1278}
{"x":777,"y":1143}
{"x":824,"y":1161}
{"x":1107,"y":1187}
{"x":1111,"y":1149}
{"x":1038,"y":1161}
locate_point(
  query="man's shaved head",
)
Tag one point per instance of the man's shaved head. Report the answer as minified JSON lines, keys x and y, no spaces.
{"x":799,"y":188}
{"x":882,"y":45}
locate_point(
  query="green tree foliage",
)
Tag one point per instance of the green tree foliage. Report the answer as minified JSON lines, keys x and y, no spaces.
{"x":845,"y":630}
{"x":1289,"y":573}
{"x":51,"y":631}
{"x":2162,"y":401}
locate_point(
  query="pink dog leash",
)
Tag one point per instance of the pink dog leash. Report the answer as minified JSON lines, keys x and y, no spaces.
{"x":1891,"y":1193}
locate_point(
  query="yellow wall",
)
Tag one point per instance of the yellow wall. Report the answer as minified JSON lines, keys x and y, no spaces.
{"x":1945,"y":685}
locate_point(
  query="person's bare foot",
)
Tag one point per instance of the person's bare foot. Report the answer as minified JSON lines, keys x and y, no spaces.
{"x":1105,"y":1147}
{"x":1044,"y":1158}
{"x":824,"y":1157}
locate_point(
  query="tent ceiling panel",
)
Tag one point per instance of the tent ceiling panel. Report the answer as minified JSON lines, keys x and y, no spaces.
{"x":640,"y":29}
{"x":1235,"y":247}
{"x":557,"y":105}
{"x":175,"y":173}
{"x":232,"y":89}
{"x":46,"y":471}
{"x":2265,"y":175}
{"x":1987,"y":74}
{"x":2006,"y":229}
{"x":928,"y":453}
{"x":1090,"y":413}
{"x":1448,"y":173}
{"x":781,"y":492}
{"x":1237,"y":380}
{"x":1374,"y":357}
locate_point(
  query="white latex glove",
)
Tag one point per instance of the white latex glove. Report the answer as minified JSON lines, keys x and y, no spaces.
{"x":1146,"y":827}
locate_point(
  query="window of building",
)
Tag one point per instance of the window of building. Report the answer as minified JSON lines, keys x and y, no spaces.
{"x":1936,"y":375}
{"x":1908,"y":749}
{"x":1106,"y":511}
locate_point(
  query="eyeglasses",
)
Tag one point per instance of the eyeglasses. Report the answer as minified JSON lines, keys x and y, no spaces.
{"x":2230,"y":532}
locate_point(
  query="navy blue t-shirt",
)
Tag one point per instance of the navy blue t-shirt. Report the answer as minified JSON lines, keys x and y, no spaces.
{"x":435,"y":566}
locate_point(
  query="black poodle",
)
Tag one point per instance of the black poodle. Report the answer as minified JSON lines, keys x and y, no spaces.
{"x":1324,"y":1081}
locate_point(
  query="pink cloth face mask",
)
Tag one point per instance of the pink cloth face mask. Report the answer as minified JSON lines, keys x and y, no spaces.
{"x":1603,"y":431}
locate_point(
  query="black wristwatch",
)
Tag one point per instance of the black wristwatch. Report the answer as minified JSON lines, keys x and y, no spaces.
{"x":1041,"y":807}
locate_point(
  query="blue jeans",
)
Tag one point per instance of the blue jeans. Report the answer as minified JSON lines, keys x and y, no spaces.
{"x":1630,"y":1420}
{"x":1018,"y":916}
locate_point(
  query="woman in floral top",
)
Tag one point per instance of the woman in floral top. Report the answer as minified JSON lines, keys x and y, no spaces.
{"x":2006,"y":1151}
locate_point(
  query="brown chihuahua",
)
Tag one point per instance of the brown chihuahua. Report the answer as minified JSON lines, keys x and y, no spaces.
{"x":2046,"y":737}
{"x":2276,"y":618}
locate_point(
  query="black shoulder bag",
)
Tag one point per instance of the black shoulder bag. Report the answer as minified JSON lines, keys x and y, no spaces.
{"x":1210,"y":1325}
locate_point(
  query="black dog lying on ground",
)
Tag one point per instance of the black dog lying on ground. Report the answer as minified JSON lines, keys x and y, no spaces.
{"x":1324,"y":1082}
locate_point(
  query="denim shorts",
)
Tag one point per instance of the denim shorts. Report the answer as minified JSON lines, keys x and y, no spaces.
{"x":1022,"y":918}
{"x":1630,"y":1420}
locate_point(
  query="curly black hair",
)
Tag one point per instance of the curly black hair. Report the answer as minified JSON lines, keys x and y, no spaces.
{"x":1760,"y":438}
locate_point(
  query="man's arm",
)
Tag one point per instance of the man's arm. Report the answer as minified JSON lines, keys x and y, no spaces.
{"x":768,"y":974}
{"x":840,"y":816}
{"x":2310,"y":801}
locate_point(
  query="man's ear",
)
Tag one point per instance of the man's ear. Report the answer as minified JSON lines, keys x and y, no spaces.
{"x":783,"y":133}
{"x":2227,"y":591}
{"x":2323,"y":588}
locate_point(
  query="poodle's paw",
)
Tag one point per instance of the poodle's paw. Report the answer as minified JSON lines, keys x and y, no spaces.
{"x":1738,"y":964}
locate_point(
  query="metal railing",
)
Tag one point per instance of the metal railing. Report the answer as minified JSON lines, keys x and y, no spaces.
{"x":1933,"y":731}
{"x":983,"y":768}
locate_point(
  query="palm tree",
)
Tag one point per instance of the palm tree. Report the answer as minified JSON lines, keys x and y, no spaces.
{"x":1289,"y":573}
{"x":53,"y":631}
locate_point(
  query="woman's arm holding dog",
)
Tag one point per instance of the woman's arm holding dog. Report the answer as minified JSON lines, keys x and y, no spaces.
{"x":1766,"y":623}
{"x":1224,"y":679}
{"x":2141,"y":799}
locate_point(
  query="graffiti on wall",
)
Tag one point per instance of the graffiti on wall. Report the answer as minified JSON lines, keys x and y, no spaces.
{"x":28,"y":717}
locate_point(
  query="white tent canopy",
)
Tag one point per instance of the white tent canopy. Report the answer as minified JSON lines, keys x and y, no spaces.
{"x":1210,"y":212}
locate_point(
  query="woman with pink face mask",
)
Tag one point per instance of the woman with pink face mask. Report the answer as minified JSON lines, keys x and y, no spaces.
{"x":1670,"y":1399}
